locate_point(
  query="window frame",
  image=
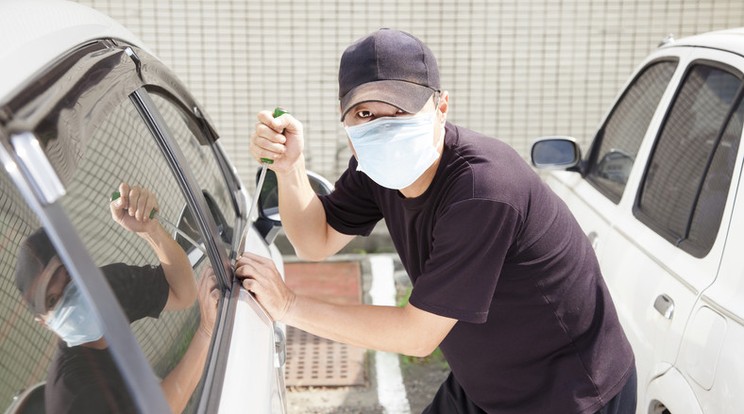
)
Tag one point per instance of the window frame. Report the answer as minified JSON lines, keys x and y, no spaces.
{"x":666,"y":234}
{"x":593,"y":152}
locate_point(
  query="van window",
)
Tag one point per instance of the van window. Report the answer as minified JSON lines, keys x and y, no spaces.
{"x":616,"y":145}
{"x":688,"y":176}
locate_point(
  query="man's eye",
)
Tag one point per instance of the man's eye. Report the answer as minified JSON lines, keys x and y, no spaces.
{"x":364,"y":114}
{"x":51,"y":301}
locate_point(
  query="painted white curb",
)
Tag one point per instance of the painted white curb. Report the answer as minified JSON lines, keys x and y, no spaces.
{"x":390,"y":389}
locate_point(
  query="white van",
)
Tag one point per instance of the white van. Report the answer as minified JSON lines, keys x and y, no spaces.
{"x":658,"y":193}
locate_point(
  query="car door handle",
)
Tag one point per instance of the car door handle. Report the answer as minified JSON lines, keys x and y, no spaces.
{"x":593,"y":239}
{"x":665,"y":306}
{"x":280,"y":347}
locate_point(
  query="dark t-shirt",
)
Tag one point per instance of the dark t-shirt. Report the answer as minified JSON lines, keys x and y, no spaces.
{"x":491,"y":245}
{"x":87,"y":380}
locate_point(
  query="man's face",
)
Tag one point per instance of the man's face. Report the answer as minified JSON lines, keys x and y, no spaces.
{"x":43,"y":295}
{"x":369,"y":111}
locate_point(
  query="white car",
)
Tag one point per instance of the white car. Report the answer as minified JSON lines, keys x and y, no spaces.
{"x":85,"y":106}
{"x":659,"y":193}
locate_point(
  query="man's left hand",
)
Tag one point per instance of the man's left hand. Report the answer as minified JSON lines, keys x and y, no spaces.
{"x":261,"y":278}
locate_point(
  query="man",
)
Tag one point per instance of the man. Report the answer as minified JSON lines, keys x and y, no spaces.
{"x":504,"y":280}
{"x":83,"y":377}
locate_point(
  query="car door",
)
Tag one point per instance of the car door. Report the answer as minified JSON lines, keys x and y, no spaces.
{"x":665,"y":247}
{"x":595,"y":199}
{"x":112,"y":114}
{"x":255,"y":344}
{"x":711,"y":353}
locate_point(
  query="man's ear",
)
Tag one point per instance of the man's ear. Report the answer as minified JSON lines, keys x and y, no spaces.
{"x":444,"y":104}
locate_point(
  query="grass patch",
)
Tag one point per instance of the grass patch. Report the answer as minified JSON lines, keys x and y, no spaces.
{"x":436,"y":357}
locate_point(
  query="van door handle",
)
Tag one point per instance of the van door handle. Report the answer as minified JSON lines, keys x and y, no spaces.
{"x":665,"y":306}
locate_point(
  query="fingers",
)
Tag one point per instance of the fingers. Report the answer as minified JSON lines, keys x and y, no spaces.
{"x":267,"y":143}
{"x":254,"y":270}
{"x":272,"y":135}
{"x":136,"y":201}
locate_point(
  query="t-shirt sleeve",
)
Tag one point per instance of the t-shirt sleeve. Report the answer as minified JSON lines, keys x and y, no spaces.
{"x":470,"y":243}
{"x":351,"y":207}
{"x":141,"y":290}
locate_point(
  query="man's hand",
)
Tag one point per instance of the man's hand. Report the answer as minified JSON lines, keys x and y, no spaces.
{"x":279,"y":139}
{"x":133,"y":207}
{"x":208,"y":297}
{"x":261,"y":278}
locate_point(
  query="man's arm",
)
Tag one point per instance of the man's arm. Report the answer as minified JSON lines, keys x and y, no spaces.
{"x":303,"y":217}
{"x":132,"y":211}
{"x":407,"y":330}
{"x":180,"y":383}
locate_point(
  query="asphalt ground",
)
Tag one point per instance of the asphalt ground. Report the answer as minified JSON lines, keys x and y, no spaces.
{"x":394,"y":384}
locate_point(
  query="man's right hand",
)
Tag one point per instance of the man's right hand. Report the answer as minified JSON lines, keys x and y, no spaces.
{"x":278,"y":139}
{"x":131,"y":210}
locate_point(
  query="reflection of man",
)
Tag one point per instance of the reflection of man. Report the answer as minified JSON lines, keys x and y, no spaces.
{"x":82,"y":376}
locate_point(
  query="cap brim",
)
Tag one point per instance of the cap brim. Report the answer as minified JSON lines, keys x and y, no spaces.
{"x":409,"y":97}
{"x":38,"y":303}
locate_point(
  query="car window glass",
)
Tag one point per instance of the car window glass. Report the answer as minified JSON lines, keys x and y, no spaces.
{"x":691,"y":138}
{"x":154,"y":282}
{"x":622,"y":133}
{"x":205,"y":167}
{"x":26,"y":347}
{"x":708,"y":212}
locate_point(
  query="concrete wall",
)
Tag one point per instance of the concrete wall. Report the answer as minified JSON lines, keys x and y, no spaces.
{"x":515,"y":69}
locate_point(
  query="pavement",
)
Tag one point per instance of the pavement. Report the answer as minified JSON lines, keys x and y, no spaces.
{"x":391,"y":384}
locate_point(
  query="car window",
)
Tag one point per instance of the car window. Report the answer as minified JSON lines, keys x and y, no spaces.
{"x":615,"y":148}
{"x":688,"y":176}
{"x":154,"y":282}
{"x":26,"y":348}
{"x":204,"y":165}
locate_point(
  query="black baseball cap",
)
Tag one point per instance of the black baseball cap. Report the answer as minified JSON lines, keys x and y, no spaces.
{"x":388,"y":66}
{"x":35,"y":253}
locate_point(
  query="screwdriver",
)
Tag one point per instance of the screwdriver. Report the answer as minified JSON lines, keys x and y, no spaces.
{"x":154,"y":213}
{"x":278,"y":111}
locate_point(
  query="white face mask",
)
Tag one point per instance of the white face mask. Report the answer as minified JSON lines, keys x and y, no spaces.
{"x":395,"y":151}
{"x":73,"y":319}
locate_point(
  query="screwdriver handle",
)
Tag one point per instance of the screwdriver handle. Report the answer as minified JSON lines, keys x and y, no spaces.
{"x":278,"y":111}
{"x":115,"y":196}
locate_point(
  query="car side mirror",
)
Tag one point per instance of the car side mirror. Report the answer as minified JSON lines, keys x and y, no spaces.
{"x":269,"y":221}
{"x":556,"y":153}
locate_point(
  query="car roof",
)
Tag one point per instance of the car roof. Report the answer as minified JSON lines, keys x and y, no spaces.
{"x":36,"y":32}
{"x":731,"y":40}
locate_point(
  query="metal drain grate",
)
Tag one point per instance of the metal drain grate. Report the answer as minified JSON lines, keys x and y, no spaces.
{"x":316,"y":361}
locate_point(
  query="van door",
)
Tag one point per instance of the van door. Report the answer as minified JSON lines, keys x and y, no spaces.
{"x":711,"y":356}
{"x":658,"y":259}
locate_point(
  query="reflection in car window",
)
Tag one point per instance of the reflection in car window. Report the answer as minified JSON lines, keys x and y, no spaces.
{"x":206,"y":170}
{"x":148,"y":271}
{"x":691,"y":166}
{"x":26,"y":348}
{"x":621,"y":135}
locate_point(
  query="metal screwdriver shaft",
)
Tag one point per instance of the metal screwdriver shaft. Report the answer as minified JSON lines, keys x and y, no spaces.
{"x":262,"y":176}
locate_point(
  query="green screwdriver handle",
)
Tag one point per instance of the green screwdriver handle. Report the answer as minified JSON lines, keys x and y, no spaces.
{"x":278,"y":111}
{"x":115,"y":196}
